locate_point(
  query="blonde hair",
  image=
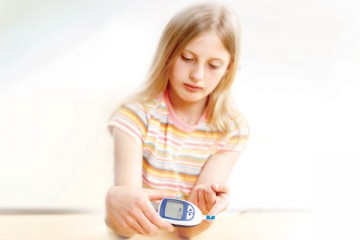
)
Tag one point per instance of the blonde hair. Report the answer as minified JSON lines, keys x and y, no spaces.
{"x":182,"y":28}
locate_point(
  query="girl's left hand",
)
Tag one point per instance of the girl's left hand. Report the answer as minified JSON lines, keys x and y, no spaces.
{"x":211,"y":198}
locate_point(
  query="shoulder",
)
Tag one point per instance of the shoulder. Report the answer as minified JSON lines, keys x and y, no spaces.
{"x":142,"y":110}
{"x":131,"y":118}
{"x":154,"y":108}
{"x":132,"y":108}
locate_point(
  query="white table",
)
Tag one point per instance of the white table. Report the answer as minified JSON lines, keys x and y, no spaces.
{"x":271,"y":225}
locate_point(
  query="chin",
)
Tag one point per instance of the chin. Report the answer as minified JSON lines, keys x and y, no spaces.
{"x":193,"y":99}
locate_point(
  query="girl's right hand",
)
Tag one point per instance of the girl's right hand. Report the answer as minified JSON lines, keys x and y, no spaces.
{"x":211,"y":198}
{"x":129,"y":211}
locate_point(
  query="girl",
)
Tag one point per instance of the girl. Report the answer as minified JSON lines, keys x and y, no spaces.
{"x":180,"y":136}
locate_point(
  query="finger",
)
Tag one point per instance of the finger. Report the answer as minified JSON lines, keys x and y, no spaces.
{"x":155,"y":218}
{"x":157,"y":201}
{"x":158,"y":195}
{"x":210,"y":197}
{"x":147,"y":225}
{"x":194,"y":197}
{"x":119,"y":228}
{"x":220,"y":187}
{"x":220,"y":205}
{"x":134,"y":225}
{"x":201,"y":197}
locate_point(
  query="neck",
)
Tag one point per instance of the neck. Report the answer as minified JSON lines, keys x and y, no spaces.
{"x":188,"y":112}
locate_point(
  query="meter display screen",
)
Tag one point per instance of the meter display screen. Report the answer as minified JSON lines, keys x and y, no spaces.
{"x":174,"y":209}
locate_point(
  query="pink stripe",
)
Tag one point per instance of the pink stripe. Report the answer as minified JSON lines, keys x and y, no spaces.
{"x":198,"y":164}
{"x":175,"y":142}
{"x":172,"y":187}
{"x":129,"y":127}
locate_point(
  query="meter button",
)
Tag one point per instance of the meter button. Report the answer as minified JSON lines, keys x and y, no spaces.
{"x":190,"y":209}
{"x":189,"y":216}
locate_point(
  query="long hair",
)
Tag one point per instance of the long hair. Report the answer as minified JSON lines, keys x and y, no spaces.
{"x":181,"y":29}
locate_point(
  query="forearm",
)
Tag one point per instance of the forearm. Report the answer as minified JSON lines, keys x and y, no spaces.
{"x":188,"y":232}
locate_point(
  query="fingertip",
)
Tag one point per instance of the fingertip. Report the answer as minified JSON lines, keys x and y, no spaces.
{"x":216,"y":209}
{"x":211,"y":214}
{"x":199,"y":187}
{"x":171,"y":196}
{"x":215,"y":186}
{"x":169,"y":227}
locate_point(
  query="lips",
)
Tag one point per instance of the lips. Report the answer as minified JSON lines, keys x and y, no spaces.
{"x":192,"y":88}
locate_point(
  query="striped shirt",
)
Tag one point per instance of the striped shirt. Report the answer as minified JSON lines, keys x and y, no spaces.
{"x":173,"y":151}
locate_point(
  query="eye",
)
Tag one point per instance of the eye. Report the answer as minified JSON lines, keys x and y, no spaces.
{"x":213,"y":66}
{"x":187,"y":58}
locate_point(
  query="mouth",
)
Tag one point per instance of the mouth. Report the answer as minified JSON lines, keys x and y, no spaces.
{"x":192,"y":88}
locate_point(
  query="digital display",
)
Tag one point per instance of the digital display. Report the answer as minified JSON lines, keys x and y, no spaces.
{"x":174,"y":209}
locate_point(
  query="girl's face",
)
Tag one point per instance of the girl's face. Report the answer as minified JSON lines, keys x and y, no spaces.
{"x":198,"y":69}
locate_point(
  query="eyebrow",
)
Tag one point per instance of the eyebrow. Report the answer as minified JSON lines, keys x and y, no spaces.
{"x":212,"y":59}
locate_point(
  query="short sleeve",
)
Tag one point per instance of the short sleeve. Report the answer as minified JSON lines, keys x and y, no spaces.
{"x":236,"y":141}
{"x":130,"y":118}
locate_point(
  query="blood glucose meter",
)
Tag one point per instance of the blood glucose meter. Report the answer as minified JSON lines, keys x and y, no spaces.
{"x":181,"y":213}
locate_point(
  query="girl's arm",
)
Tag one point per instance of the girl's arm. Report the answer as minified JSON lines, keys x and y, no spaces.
{"x":128,"y":159}
{"x":129,"y":210}
{"x":211,"y":190}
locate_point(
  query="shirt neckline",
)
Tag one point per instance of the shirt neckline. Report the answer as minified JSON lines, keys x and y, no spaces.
{"x":178,"y":122}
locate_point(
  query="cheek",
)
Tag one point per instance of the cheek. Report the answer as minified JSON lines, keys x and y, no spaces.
{"x":176,"y":71}
{"x":214,"y":84}
{"x":216,"y":77}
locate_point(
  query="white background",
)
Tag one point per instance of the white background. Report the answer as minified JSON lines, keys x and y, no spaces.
{"x":66,"y":65}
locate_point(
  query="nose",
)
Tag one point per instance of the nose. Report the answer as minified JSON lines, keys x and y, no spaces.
{"x":197,"y":73}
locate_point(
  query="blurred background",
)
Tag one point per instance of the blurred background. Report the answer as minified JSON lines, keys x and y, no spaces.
{"x":66,"y":65}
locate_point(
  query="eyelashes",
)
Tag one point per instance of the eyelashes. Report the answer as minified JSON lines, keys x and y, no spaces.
{"x":213,"y":66}
{"x":191,"y":60}
{"x":187,"y":59}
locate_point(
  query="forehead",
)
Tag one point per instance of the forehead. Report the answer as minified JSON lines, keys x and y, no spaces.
{"x":208,"y":45}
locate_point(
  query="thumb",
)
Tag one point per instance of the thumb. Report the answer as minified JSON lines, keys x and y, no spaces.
{"x":158,"y":195}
